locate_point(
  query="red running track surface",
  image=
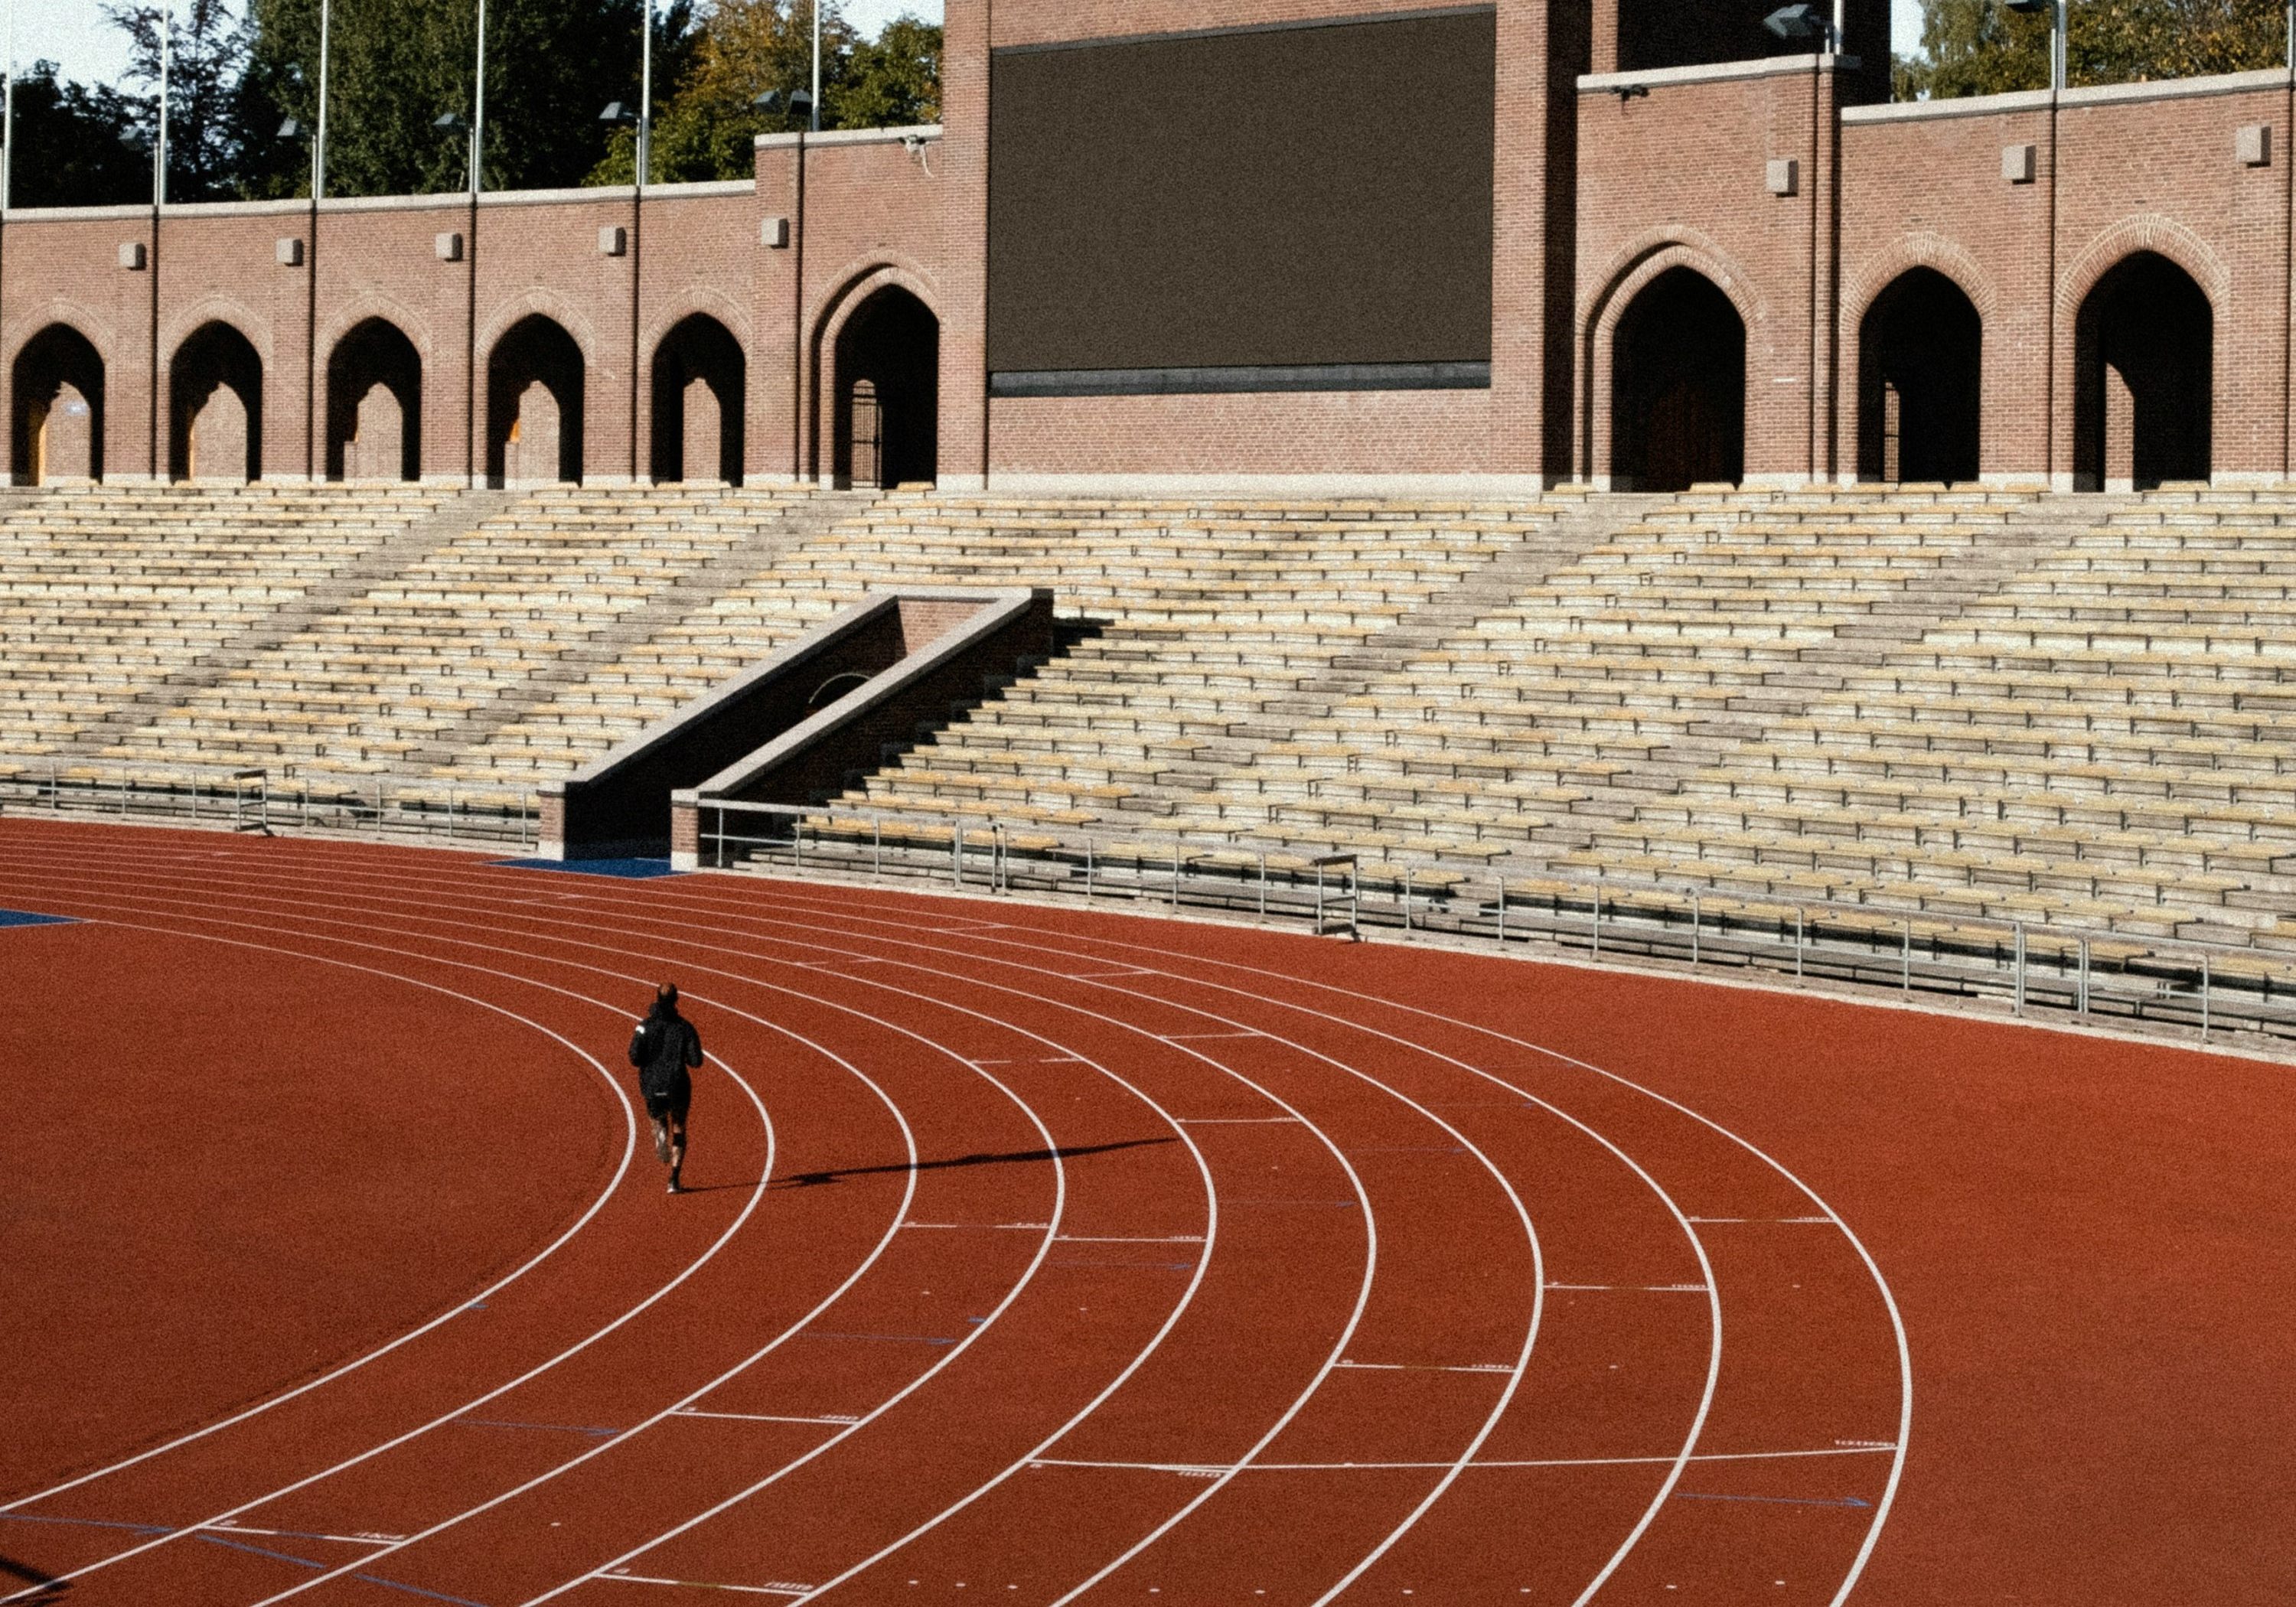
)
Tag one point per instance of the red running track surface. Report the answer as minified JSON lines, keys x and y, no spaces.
{"x":1059,"y":1255}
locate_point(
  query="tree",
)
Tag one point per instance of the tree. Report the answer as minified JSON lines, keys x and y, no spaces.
{"x":207,"y":60}
{"x":395,"y":66}
{"x":706,"y":127}
{"x":76,"y":145}
{"x":1982,"y":47}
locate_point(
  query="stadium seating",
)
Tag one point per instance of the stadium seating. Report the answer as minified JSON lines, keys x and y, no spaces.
{"x":1971,"y":702}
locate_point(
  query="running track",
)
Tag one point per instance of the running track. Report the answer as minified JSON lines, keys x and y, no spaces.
{"x":1058,"y":1255}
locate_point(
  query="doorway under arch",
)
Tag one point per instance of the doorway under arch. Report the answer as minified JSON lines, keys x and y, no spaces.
{"x":57,"y":428}
{"x":1919,"y":382}
{"x":215,"y":411}
{"x":375,"y":405}
{"x":885,"y":397}
{"x":699,"y":382}
{"x":1678,"y":387}
{"x":534,"y":405}
{"x":2143,"y":378}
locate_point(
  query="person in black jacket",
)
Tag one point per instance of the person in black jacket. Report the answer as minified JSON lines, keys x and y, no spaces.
{"x":667,"y":1050}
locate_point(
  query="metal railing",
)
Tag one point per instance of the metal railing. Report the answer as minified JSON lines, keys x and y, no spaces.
{"x":2028,"y":969}
{"x":428,"y":808}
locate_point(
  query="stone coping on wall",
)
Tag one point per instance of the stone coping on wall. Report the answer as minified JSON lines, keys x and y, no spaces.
{"x":1714,"y":72}
{"x":140,"y":211}
{"x":851,"y":136}
{"x":2099,"y":94}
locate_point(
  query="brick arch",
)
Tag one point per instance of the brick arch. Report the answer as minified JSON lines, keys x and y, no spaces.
{"x":1657,"y":252}
{"x":513,"y":310}
{"x":36,"y":320}
{"x":1920,"y":249}
{"x":2145,"y":232}
{"x":216,"y":309}
{"x":853,"y":285}
{"x":697,"y":299}
{"x":374,"y":305}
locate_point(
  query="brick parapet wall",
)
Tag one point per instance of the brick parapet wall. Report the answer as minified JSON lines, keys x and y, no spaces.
{"x":1597,"y":192}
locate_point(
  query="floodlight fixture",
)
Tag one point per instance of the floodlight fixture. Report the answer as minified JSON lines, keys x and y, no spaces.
{"x":291,"y":129}
{"x":449,"y":122}
{"x":617,"y":112}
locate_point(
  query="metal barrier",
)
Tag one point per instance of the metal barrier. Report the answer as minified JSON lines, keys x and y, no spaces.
{"x":2027,"y":969}
{"x":253,"y":801}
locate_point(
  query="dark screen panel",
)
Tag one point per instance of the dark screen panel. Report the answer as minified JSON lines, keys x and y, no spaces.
{"x":1284,"y":197}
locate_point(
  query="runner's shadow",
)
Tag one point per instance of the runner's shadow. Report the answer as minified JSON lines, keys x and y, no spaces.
{"x":48,"y":1586}
{"x":1012,"y":1157}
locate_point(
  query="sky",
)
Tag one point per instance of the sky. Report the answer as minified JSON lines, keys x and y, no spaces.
{"x":75,"y":33}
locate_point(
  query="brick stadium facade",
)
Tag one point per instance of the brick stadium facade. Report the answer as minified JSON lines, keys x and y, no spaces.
{"x":1697,"y":263}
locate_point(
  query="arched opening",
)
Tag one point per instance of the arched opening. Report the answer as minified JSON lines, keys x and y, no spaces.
{"x":534,"y":405}
{"x":885,"y":409}
{"x":2143,"y":378}
{"x":215,"y":411}
{"x":698,"y":379}
{"x":375,"y":405}
{"x":1678,"y":387}
{"x":57,"y":430}
{"x":1919,"y":355}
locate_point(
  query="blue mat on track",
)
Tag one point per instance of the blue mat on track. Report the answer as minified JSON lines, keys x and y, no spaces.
{"x":628,"y":870}
{"x":24,"y":917}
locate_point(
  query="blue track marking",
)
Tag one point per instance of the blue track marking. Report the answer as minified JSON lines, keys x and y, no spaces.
{"x":627,"y":870}
{"x":25,"y":917}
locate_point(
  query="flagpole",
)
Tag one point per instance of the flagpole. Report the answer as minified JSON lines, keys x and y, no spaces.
{"x":160,"y":144}
{"x":319,"y":136}
{"x":479,"y":107}
{"x":8,"y":117}
{"x":645,"y":95}
{"x":817,"y":66}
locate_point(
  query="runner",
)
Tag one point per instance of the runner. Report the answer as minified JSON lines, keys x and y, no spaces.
{"x":666,"y":1049}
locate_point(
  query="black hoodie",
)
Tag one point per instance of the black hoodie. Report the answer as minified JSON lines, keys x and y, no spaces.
{"x":665,"y":1047}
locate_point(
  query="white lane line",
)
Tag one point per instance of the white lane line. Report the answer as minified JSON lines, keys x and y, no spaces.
{"x":983,"y":1228}
{"x":647,"y":1578}
{"x":1130,"y":1239}
{"x":629,"y":1147}
{"x":1882,"y":1507}
{"x":1203,"y":1261}
{"x":1200,"y":1468}
{"x":296,"y":1534}
{"x":1059,"y":1175}
{"x":725,"y":1237}
{"x":1430,"y":1367}
{"x":1526,"y":1101}
{"x":838,"y":1418}
{"x":1714,"y":1308}
{"x":1238,"y":1121}
{"x":1198,"y":1037}
{"x":434,"y":903}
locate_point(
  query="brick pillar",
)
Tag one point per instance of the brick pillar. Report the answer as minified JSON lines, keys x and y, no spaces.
{"x":685,"y":832}
{"x":1542,"y":46}
{"x":964,"y":444}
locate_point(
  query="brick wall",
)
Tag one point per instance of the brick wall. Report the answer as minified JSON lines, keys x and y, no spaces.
{"x":1598,"y":191}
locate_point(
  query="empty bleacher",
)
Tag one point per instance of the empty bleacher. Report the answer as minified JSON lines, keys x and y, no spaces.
{"x":1991,"y":703}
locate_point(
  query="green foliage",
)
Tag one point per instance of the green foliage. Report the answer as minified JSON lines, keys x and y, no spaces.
{"x":706,"y":127}
{"x":208,"y":51}
{"x":395,"y":66}
{"x":1982,"y":47}
{"x":78,"y":146}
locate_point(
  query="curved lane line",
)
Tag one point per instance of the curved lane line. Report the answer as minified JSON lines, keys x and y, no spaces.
{"x":630,"y":1143}
{"x":692,"y":1267}
{"x":1680,"y":1460}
